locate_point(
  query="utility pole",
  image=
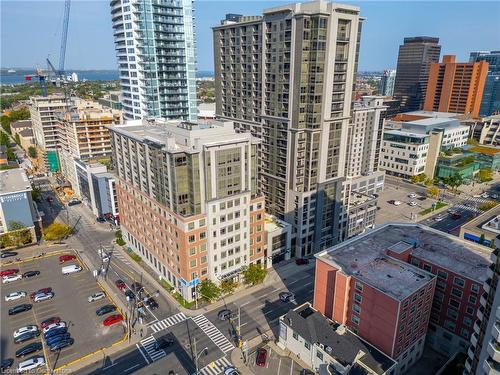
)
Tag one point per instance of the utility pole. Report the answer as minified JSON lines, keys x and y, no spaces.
{"x":239,"y":327}
{"x":195,"y":355}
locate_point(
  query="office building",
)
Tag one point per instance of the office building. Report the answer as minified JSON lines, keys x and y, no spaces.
{"x":491,"y":94}
{"x":401,"y":284}
{"x":155,"y":48}
{"x":17,"y":209}
{"x":485,"y":130}
{"x":414,"y":60}
{"x":278,"y":240}
{"x":456,"y":87}
{"x":386,"y":86}
{"x":188,"y":199}
{"x":483,"y":229}
{"x":484,"y":352}
{"x":393,"y":107}
{"x":287,"y":77}
{"x":111,"y":100}
{"x":413,"y":141}
{"x":329,"y":347}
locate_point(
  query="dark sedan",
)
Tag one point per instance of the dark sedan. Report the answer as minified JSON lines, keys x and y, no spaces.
{"x":30,"y":274}
{"x":105,"y":310}
{"x":6,"y":363}
{"x":25,"y":337}
{"x":28,"y":349}
{"x":6,"y":254}
{"x":62,"y":344}
{"x":20,"y":308}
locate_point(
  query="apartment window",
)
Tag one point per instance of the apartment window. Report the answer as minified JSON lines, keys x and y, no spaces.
{"x":454,"y":303}
{"x":203,"y":259}
{"x":469,"y":310}
{"x":464,"y":333}
{"x":192,"y":263}
{"x":190,"y":226}
{"x":356,"y":308}
{"x":427,"y":268}
{"x":192,"y":251}
{"x":357,"y":297}
{"x":192,"y":238}
{"x":452,"y":313}
{"x":443,"y":275}
{"x":355,"y":319}
{"x":295,"y":335}
{"x":458,"y":281}
{"x":203,"y":235}
{"x":319,"y":355}
{"x":358,"y":286}
{"x":467,"y":321}
{"x":475,"y":288}
{"x":307,"y":345}
{"x":448,"y":324}
{"x":472,"y":299}
{"x":457,"y":292}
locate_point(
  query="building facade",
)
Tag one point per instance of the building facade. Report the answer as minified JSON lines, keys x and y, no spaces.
{"x":413,"y":141}
{"x":188,"y":199}
{"x":456,"y":87}
{"x":287,"y":78}
{"x":414,"y":60}
{"x":491,"y":95}
{"x":387,"y":81}
{"x":155,"y":48}
{"x":486,"y":130}
{"x":401,"y":284}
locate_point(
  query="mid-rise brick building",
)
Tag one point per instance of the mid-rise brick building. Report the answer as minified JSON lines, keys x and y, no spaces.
{"x":188,"y":198}
{"x":401,"y":284}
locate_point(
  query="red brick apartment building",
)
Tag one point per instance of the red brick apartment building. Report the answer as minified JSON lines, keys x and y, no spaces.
{"x":401,"y":284}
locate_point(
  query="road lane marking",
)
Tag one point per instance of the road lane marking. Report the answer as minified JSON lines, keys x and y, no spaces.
{"x":143,"y":355}
{"x":130,"y":368}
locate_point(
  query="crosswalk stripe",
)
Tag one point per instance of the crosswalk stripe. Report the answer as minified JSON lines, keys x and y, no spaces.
{"x":219,"y":366}
{"x":213,"y":333}
{"x":168,"y":322}
{"x":148,"y":344}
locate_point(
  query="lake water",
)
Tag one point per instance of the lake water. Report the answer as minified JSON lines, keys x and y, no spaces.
{"x":90,"y":75}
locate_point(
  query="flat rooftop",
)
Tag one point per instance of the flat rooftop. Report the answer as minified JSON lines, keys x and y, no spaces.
{"x":488,"y":223}
{"x":186,"y":136}
{"x":21,"y":124}
{"x":343,"y":345}
{"x":14,"y":180}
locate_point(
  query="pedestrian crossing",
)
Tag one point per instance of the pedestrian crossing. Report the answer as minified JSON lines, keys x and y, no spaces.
{"x":472,"y":204}
{"x":121,"y":257}
{"x":217,"y":367}
{"x":168,"y":322}
{"x":213,"y":333}
{"x":149,"y":346}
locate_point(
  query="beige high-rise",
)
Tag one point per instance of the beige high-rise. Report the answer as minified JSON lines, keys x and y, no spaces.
{"x":287,"y":77}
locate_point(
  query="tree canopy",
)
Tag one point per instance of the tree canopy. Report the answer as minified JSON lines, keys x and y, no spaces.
{"x":254,"y":274}
{"x":208,"y":290}
{"x":56,"y":231}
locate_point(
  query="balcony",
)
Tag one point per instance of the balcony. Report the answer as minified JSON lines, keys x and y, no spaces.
{"x":494,"y":256}
{"x":473,"y":339}
{"x":486,"y":285}
{"x":483,"y":299}
{"x":491,"y":368}
{"x":494,"y":351}
{"x":470,"y":352}
{"x":490,"y":271}
{"x":477,"y":328}
{"x":468,"y":366}
{"x":495,"y":331}
{"x":480,"y":312}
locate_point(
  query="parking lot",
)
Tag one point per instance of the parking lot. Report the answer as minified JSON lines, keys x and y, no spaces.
{"x":389,"y":212}
{"x":275,"y":364}
{"x":69,"y":303}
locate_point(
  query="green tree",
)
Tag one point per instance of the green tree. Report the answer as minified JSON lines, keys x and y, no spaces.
{"x":36,"y":193}
{"x":17,"y":139}
{"x":254,"y":274}
{"x":418,"y":178}
{"x":4,"y":139}
{"x":18,"y":235}
{"x":208,"y":290}
{"x":428,"y":182}
{"x":10,"y":154}
{"x":481,"y":239}
{"x":454,"y":181}
{"x":487,"y":205}
{"x":32,"y":152}
{"x":5,"y":123}
{"x":119,"y":238}
{"x":56,"y":231}
{"x":485,"y":175}
{"x":228,"y":286}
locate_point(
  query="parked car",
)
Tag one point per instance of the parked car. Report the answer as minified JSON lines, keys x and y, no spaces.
{"x":287,"y":297}
{"x":31,"y":364}
{"x":43,"y":297}
{"x":21,"y":331}
{"x":55,"y":332}
{"x":54,"y":326}
{"x":29,"y":274}
{"x":26,"y":337}
{"x":11,"y":278}
{"x":6,"y":254}
{"x":438,"y":217}
{"x":301,"y":261}
{"x":40,"y":291}
{"x":113,"y":319}
{"x":106,"y":309}
{"x":66,"y":258}
{"x":55,"y":339}
{"x":120,"y":285}
{"x":485,"y":195}
{"x":231,"y":371}
{"x":456,"y":215}
{"x":412,"y":195}
{"x":28,"y":349}
{"x":9,"y":272}
{"x":61,"y":344}
{"x":6,"y":364}
{"x":20,"y":308}
{"x":261,"y":357}
{"x":100,"y":219}
{"x":71,"y":269}
{"x":396,"y":203}
{"x":96,"y":296}
{"x":224,"y":314}
{"x":129,"y":294}
{"x":49,"y":321}
{"x":74,"y":202}
{"x":412,"y":203}
{"x":14,"y":296}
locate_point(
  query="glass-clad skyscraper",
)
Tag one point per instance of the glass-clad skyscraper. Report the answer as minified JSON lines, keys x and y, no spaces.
{"x":490,"y":103}
{"x":154,"y":41}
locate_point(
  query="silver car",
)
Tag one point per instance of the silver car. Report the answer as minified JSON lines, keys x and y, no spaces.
{"x":96,"y":296}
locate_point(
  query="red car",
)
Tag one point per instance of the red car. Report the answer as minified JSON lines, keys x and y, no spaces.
{"x":49,"y":321}
{"x":49,"y":199}
{"x":113,"y":319}
{"x":66,"y":258}
{"x":9,"y":272}
{"x":121,"y":285}
{"x":260,"y":358}
{"x":301,"y":261}
{"x":40,"y":291}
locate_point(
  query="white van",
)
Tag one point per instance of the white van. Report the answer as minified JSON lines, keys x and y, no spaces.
{"x":71,"y":269}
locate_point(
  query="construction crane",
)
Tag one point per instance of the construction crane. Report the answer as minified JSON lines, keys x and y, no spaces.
{"x":64,"y":36}
{"x":42,"y":78}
